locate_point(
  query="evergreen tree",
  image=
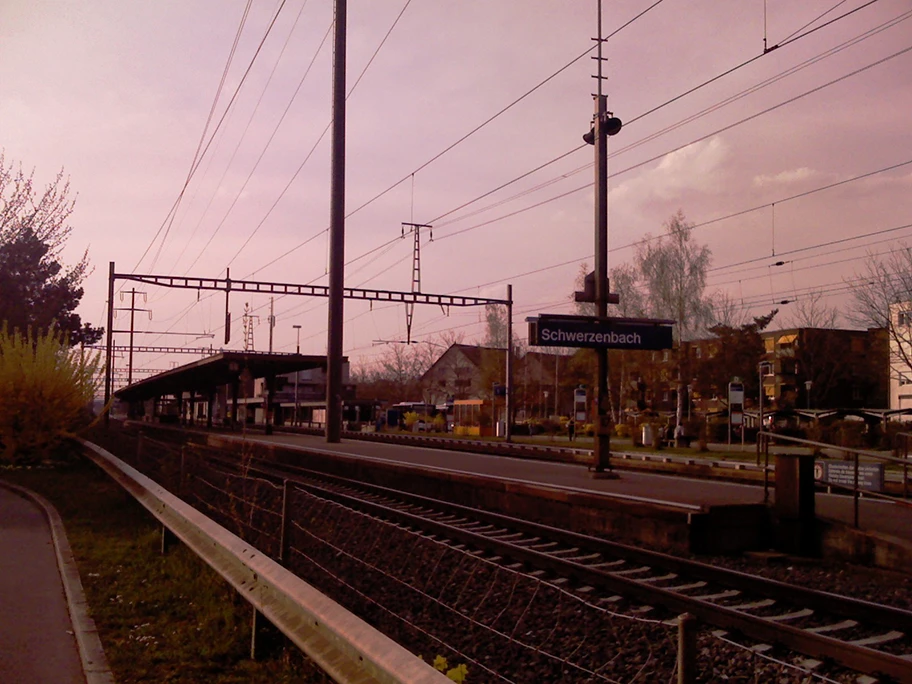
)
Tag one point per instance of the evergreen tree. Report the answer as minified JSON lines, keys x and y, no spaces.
{"x":36,"y":291}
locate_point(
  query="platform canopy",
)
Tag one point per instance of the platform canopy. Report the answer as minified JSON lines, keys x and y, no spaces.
{"x":219,"y":369}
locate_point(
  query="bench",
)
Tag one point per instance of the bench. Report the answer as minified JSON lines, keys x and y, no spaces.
{"x":682,"y":442}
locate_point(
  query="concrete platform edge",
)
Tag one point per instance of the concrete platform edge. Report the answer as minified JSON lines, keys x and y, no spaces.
{"x":94,"y":662}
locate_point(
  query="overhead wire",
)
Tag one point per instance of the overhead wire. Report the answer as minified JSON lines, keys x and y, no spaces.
{"x":307,"y":158}
{"x":288,"y":185}
{"x":259,"y":159}
{"x":217,"y":128}
{"x":691,"y":142}
{"x":689,"y":119}
{"x":563,"y":155}
{"x":246,"y":130}
{"x":539,"y":204}
{"x":196,"y":154}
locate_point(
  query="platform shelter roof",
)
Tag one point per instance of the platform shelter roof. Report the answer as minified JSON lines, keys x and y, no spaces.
{"x":219,"y":369}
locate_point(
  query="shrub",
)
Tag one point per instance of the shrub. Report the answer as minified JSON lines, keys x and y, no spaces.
{"x":621,"y":430}
{"x":409,"y":419}
{"x":46,"y":393}
{"x":550,"y":426}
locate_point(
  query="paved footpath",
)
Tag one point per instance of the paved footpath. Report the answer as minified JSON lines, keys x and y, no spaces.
{"x":46,"y":636}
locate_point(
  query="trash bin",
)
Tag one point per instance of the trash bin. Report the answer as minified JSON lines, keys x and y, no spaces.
{"x":647,"y":435}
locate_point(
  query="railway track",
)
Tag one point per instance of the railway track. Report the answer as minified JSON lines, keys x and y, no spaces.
{"x":857,"y":635}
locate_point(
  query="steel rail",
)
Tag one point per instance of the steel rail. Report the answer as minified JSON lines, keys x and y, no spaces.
{"x":845,"y":606}
{"x":852,"y":656}
{"x":341,"y":644}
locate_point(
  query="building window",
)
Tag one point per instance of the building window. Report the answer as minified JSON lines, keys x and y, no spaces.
{"x":665,"y":396}
{"x":904,"y":318}
{"x":904,"y":380}
{"x":666,"y":355}
{"x":769,"y":344}
{"x":698,"y":352}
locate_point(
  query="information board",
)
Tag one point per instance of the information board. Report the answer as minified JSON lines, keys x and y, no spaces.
{"x":870,"y":475}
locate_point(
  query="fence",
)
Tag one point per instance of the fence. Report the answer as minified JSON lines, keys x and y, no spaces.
{"x":498,"y":623}
{"x":766,"y":439}
{"x":341,"y":644}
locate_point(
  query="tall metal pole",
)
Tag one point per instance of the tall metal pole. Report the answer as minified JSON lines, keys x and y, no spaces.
{"x":132,"y":317}
{"x":602,"y":446}
{"x":109,"y":347}
{"x":271,"y":321}
{"x":297,"y":373}
{"x":760,"y":398}
{"x":509,"y":380}
{"x":336,"y":235}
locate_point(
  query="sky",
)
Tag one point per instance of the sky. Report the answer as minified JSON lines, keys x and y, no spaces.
{"x":468,"y":116}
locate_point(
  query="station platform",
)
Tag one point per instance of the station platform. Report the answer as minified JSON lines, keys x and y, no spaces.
{"x":883,"y":536}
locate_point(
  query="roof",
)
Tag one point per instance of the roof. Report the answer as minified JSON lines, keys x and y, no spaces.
{"x":219,"y":369}
{"x":473,"y":354}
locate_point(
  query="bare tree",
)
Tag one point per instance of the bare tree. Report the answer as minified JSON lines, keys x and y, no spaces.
{"x":727,"y":311}
{"x":495,"y":326}
{"x":673,"y":270}
{"x":882,"y":298}
{"x":811,"y":312}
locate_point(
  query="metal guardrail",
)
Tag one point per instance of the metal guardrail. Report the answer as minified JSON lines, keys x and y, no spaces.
{"x":765,"y":439}
{"x":345,"y":647}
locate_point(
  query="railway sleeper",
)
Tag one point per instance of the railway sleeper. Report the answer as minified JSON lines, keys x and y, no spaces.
{"x":614,"y":599}
{"x":835,"y":627}
{"x":658,"y":578}
{"x":877,"y":639}
{"x":753,"y":605}
{"x":784,"y":617}
{"x":563,"y":552}
{"x":632,"y":571}
{"x":722,"y":595}
{"x":526,"y":542}
{"x":687,"y":587}
{"x":506,"y":537}
{"x":478,"y":527}
{"x":809,"y":664}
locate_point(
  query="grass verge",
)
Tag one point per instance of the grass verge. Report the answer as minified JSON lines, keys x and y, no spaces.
{"x":161,"y":618}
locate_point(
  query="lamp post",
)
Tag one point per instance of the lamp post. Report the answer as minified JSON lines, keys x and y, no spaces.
{"x":764,"y":365}
{"x":760,"y":367}
{"x":297,"y":372}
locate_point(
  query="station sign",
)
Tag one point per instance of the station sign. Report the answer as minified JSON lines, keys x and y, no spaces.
{"x":600,"y":333}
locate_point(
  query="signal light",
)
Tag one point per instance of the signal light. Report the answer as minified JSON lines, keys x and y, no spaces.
{"x":612,"y":126}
